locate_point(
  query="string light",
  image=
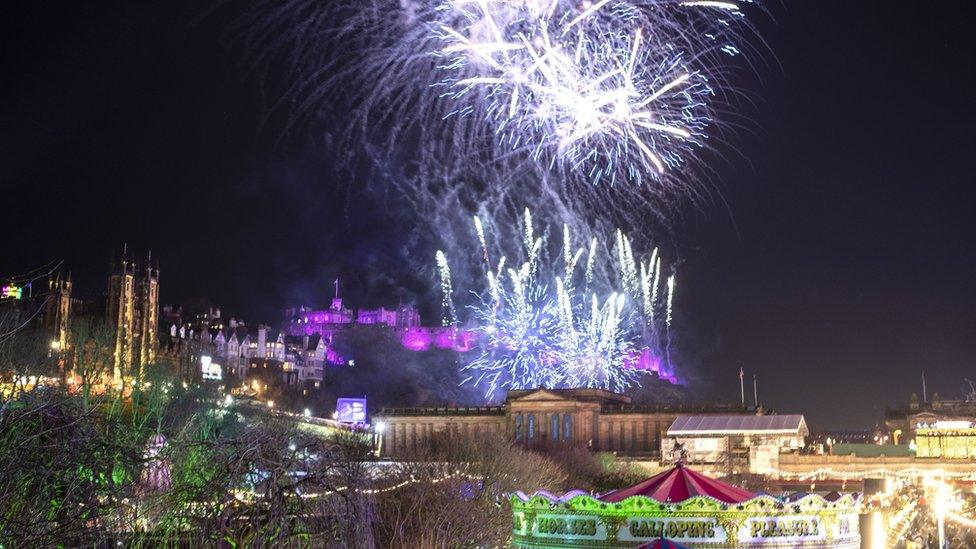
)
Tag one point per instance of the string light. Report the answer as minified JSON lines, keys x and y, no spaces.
{"x":913,"y":472}
{"x":248,"y":495}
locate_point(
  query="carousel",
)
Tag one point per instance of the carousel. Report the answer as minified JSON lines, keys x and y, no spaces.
{"x":683,"y":508}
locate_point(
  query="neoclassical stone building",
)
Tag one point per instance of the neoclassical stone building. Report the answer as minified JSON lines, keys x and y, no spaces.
{"x":597,"y":419}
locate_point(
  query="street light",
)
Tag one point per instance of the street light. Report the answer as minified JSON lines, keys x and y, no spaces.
{"x":270,"y":404}
{"x":55,"y":345}
{"x":307,"y":413}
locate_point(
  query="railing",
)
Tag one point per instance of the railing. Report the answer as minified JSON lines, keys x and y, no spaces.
{"x":444,"y":411}
{"x":675,"y":408}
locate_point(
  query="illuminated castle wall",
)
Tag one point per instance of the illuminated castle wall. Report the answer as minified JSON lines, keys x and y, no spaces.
{"x":649,"y":361}
{"x":406,"y":321}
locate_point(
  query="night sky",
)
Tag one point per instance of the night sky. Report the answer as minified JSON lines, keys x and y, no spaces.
{"x":837,"y":263}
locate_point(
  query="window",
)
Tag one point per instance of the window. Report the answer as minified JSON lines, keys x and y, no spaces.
{"x":531,"y":426}
{"x":554,"y":428}
{"x":567,"y":427}
{"x":518,"y":427}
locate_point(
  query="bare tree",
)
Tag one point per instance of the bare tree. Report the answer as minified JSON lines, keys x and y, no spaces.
{"x":93,"y":352}
{"x":454,"y":493}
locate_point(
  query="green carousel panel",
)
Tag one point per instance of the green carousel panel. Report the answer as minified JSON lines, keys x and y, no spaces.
{"x":580,"y":520}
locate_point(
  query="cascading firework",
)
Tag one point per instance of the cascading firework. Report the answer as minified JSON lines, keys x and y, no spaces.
{"x":599,"y":106}
{"x":601,"y":88}
{"x":541,"y":322}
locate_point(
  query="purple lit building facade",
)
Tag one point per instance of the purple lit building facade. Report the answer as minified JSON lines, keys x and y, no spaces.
{"x":649,"y":361}
{"x":405,"y":321}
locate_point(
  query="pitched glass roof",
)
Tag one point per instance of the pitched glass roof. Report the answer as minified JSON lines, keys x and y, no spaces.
{"x":732,"y":424}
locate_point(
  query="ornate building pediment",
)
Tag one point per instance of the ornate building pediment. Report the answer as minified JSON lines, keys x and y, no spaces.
{"x":541,"y":395}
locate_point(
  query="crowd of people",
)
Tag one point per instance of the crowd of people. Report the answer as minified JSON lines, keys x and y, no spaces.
{"x":923,"y":529}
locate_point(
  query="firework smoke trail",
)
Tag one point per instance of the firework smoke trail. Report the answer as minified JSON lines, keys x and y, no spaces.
{"x":582,"y":110}
{"x":536,"y":328}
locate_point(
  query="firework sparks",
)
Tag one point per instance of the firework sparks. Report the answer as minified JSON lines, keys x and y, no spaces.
{"x":588,"y":106}
{"x":561,"y":83}
{"x":537,"y":328}
{"x":448,"y":315}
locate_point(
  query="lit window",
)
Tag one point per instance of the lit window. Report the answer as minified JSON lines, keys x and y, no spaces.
{"x":531,"y":426}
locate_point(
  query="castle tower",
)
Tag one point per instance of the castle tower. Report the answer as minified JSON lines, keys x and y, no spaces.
{"x":147,"y":296}
{"x":121,"y":314}
{"x":57,"y":313}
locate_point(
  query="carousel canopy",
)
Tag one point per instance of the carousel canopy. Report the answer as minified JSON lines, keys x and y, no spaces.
{"x":679,"y":484}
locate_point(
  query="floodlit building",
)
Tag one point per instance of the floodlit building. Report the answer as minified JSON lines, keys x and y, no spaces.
{"x":405,"y":322}
{"x":133,"y":312}
{"x":591,"y":418}
{"x":58,"y":311}
{"x":946,"y":438}
{"x":936,"y":429}
{"x":243,"y":353}
{"x":734,"y":440}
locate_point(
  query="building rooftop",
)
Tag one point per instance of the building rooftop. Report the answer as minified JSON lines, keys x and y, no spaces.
{"x":679,"y":408}
{"x":793,"y":424}
{"x":585,"y":395}
{"x":443,"y":411}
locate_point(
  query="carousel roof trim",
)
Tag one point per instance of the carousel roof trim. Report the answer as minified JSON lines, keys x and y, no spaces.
{"x":679,"y":484}
{"x":579,"y":500}
{"x":790,"y":424}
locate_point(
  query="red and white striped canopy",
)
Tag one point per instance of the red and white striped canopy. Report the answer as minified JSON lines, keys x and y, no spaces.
{"x":679,"y":484}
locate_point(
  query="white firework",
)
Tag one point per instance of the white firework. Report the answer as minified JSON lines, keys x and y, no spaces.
{"x":541,"y":323}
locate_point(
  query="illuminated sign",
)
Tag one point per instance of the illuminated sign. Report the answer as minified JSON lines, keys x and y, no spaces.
{"x":12,"y":292}
{"x":351,"y":410}
{"x":791,"y":527}
{"x":210,"y":369}
{"x":543,"y":520}
{"x":569,"y":527}
{"x":704,"y":529}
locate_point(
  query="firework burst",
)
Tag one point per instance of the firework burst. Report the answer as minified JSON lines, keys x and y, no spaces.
{"x":541,"y":321}
{"x":578,"y":85}
{"x":588,"y":106}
